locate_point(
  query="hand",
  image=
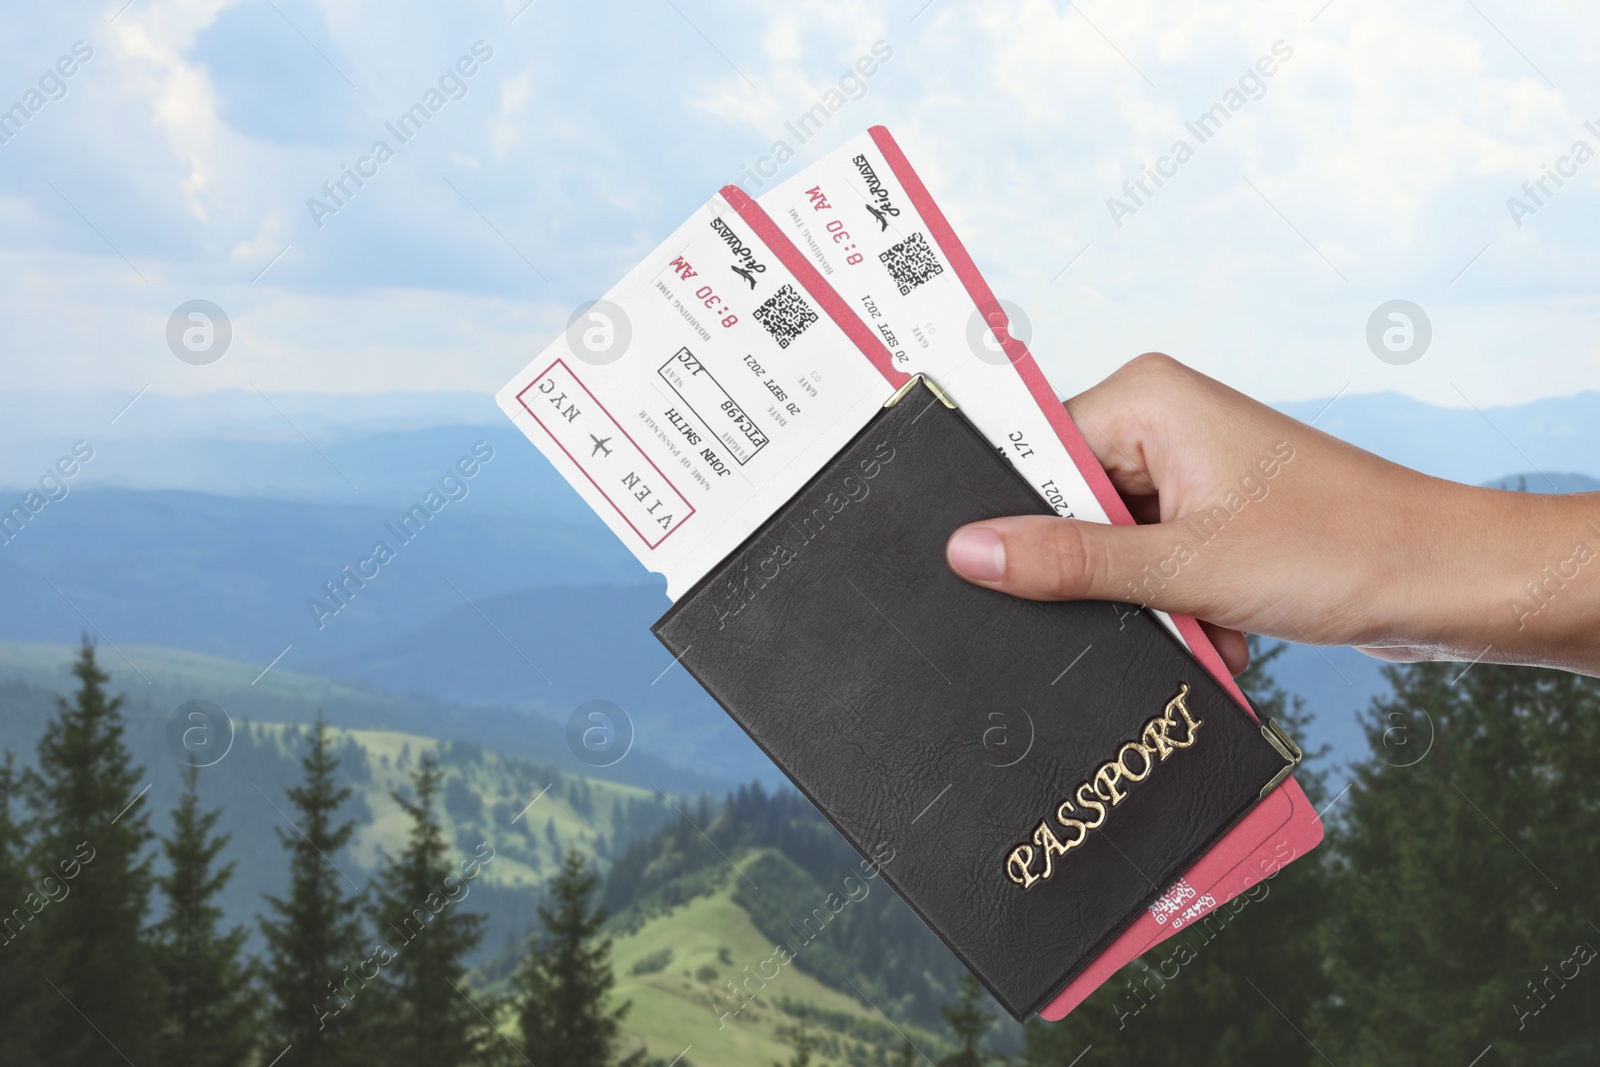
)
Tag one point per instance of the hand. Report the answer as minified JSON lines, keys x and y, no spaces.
{"x":1251,"y":520}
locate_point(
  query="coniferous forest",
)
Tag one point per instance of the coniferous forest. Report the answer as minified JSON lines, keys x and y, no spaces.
{"x":1449,"y":918}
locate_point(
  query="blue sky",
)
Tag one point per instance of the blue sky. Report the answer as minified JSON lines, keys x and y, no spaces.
{"x":1375,"y":164}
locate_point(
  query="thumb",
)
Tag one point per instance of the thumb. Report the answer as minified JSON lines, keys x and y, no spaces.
{"x":1044,"y":558}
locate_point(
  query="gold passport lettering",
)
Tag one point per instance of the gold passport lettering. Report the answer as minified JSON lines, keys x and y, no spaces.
{"x":1175,"y":728}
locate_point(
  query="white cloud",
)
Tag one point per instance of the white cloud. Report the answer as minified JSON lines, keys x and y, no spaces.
{"x":1389,"y":143}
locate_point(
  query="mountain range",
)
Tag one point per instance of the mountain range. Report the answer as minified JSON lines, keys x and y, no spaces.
{"x":214,"y":524}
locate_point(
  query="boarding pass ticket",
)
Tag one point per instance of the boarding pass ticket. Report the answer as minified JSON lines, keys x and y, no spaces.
{"x":698,"y":396}
{"x":849,"y":215}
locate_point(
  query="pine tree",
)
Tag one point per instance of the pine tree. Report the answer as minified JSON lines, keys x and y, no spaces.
{"x":210,"y":1007}
{"x":317,"y":967}
{"x":969,"y":1020}
{"x":98,"y":1005}
{"x":17,"y":989}
{"x":428,"y":1020}
{"x":566,"y":979}
{"x":1465,"y":907}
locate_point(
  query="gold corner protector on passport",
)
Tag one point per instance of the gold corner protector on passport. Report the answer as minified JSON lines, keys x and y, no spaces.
{"x":944,"y":398}
{"x":1279,"y":739}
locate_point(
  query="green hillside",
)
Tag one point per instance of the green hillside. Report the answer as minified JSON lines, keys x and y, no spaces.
{"x":524,"y":810}
{"x":685,"y":922}
{"x":676,"y":966}
{"x":490,"y":792}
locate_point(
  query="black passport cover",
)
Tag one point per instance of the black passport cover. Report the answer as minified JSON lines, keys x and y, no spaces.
{"x":941,"y":723}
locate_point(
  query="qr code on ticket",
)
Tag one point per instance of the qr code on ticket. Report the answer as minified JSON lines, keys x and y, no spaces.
{"x":911,"y":262}
{"x":785,"y":315}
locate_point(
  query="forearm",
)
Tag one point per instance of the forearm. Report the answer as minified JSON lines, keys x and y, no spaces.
{"x":1536,"y":596}
{"x":1496,"y":576}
